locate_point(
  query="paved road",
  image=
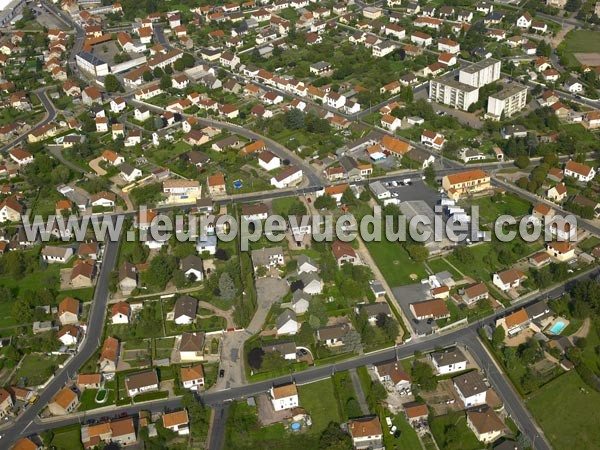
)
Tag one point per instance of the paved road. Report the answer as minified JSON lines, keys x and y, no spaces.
{"x":217,"y":432}
{"x":90,"y":343}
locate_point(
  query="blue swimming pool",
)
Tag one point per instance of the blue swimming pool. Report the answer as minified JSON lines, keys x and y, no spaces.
{"x":237,"y":184}
{"x":295,"y":426}
{"x":557,"y":327}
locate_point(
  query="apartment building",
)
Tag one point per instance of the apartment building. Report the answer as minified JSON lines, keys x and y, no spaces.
{"x":453,"y":93}
{"x":481,"y":73}
{"x":509,"y":101}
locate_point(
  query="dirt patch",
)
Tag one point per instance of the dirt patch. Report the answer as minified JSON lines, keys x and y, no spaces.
{"x":444,"y":399}
{"x":267,"y":415}
{"x":588,"y":59}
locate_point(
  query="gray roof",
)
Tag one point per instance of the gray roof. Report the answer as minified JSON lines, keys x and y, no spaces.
{"x":300,"y":295}
{"x":126,"y":168}
{"x":186,"y":306}
{"x":374,"y":309}
{"x":470,"y":383}
{"x":87,"y":56}
{"x":378,"y":188}
{"x":309,"y":277}
{"x":284,"y":348}
{"x":284,"y":317}
{"x":303,"y":259}
{"x":192,"y":262}
{"x":449,"y":356}
{"x":333,"y":332}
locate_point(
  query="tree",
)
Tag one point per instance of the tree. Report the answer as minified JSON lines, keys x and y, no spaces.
{"x":325,"y":201}
{"x":161,"y":270}
{"x":227,"y":287}
{"x":294,"y":119}
{"x":148,"y":76}
{"x":417,"y":252}
{"x":348,"y":197}
{"x":423,"y":376}
{"x":429,"y":173}
{"x":498,"y":336}
{"x":165,"y":82}
{"x":522,"y":161}
{"x":111,"y":84}
{"x":255,"y":358}
{"x":334,"y":438}
{"x":352,"y":341}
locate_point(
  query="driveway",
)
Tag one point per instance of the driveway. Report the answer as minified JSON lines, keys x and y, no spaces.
{"x":268,"y":291}
{"x":95,"y":165}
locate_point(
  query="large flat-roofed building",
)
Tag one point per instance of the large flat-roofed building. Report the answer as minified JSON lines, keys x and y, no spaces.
{"x":90,"y":64}
{"x":508,"y":101}
{"x":481,"y":73}
{"x":453,"y":93}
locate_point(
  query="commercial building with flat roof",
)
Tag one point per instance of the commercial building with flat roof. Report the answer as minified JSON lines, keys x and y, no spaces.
{"x":508,"y":101}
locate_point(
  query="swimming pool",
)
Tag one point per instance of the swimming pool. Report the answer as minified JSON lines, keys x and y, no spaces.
{"x":557,"y":327}
{"x":295,"y":426}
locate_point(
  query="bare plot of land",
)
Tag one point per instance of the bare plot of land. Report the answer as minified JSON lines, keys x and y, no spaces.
{"x":588,"y":59}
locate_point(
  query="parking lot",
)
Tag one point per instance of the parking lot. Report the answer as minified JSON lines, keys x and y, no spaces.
{"x":413,"y":293}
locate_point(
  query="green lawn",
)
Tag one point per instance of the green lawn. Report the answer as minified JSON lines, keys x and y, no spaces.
{"x":566,"y":408}
{"x":319,"y":401}
{"x":510,"y":204}
{"x":394,"y":263}
{"x":68,"y":440}
{"x":439,"y":265}
{"x":37,"y":368}
{"x":589,"y":243}
{"x":466,"y":439}
{"x":88,"y":399}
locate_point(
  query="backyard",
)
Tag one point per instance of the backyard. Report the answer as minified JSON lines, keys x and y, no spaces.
{"x":36,"y":368}
{"x":395,"y":264}
{"x":320,"y":402}
{"x":455,"y":426}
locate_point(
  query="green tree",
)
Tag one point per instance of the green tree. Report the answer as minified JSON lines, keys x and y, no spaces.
{"x":348,"y":197}
{"x":165,"y":82}
{"x":522,"y":161}
{"x":325,"y":201}
{"x":111,"y":84}
{"x":418,"y":252}
{"x":429,"y":173}
{"x":498,"y":336}
{"x":423,"y":376}
{"x":161,"y":270}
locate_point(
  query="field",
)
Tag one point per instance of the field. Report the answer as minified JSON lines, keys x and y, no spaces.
{"x":394,"y":263}
{"x":565,"y":409}
{"x":580,"y":41}
{"x":319,"y":401}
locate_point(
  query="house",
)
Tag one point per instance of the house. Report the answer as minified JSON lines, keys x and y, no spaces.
{"x":6,"y":402}
{"x":471,"y":388}
{"x":313,"y":284}
{"x":430,"y":309}
{"x":287,"y":350}
{"x":216,"y":184}
{"x":539,"y":259}
{"x":68,"y":335}
{"x":10,"y":210}
{"x":515,"y":322}
{"x":20,"y":156}
{"x":390,"y":122}
{"x":268,"y":160}
{"x":392,"y":375}
{"x":120,"y":313}
{"x":560,"y":250}
{"x":286,"y":323}
{"x":109,"y":355}
{"x":255,"y":212}
{"x":63,"y":403}
{"x":104,"y":199}
{"x":422,"y":158}
{"x":333,"y":335}
{"x":373,"y":311}
{"x":113,"y":158}
{"x":185,"y":310}
{"x":129,"y":173}
{"x":524,"y":20}
{"x":366,"y":433}
{"x":177,"y":422}
{"x":289,"y":176}
{"x":466,"y":183}
{"x":485,"y":424}
{"x":192,"y":377}
{"x":541,"y":213}
{"x":140,"y":382}
{"x":89,"y":381}
{"x":508,"y":279}
{"x":284,"y":396}
{"x":300,"y":301}
{"x":52,"y":254}
{"x":416,"y":413}
{"x":379,"y":190}
{"x":579,"y":171}
{"x":474,"y":293}
{"x":91,"y":95}
{"x":448,"y":361}
{"x":68,"y":311}
{"x":557,"y":193}
{"x":193,"y":267}
{"x":191,"y":346}
{"x":306,"y":264}
{"x":269,"y":257}
{"x":127,"y":278}
{"x":432,"y":139}
{"x":344,"y":253}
